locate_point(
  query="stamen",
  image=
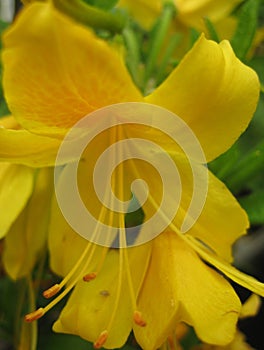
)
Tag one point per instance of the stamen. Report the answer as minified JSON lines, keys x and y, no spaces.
{"x":76,"y":273}
{"x":92,"y":275}
{"x":172,"y":343}
{"x":35,"y":315}
{"x":76,"y":266}
{"x":101,"y":340}
{"x":105,"y":251}
{"x":138,"y":319}
{"x":137,"y":314}
{"x":51,"y":291}
{"x":89,"y":277}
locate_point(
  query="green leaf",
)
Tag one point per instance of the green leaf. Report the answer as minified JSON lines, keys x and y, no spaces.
{"x":246,"y":28}
{"x":247,"y":168}
{"x":159,"y":33}
{"x":3,"y":106}
{"x":254,"y":206}
{"x":102,"y":4}
{"x":257,"y":63}
{"x":211,"y":30}
{"x":3,"y":26}
{"x":222,"y":165}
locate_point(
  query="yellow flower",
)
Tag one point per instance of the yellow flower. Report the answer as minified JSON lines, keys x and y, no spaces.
{"x":55,"y":73}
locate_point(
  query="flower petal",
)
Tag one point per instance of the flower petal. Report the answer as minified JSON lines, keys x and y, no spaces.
{"x":197,"y":294}
{"x":61,"y":240}
{"x":37,"y":151}
{"x":27,"y":236}
{"x":57,"y":71}
{"x":213,"y":92}
{"x":222,"y":220}
{"x":192,"y":12}
{"x":146,"y":12}
{"x":16,"y":187}
{"x":222,"y":265}
{"x":158,"y":299}
{"x":211,"y":211}
{"x":91,"y":304}
{"x":251,"y":306}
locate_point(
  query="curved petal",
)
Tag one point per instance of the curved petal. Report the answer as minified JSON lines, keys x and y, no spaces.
{"x":158,"y":300}
{"x":61,"y":240}
{"x":192,"y":12}
{"x":26,"y":238}
{"x":251,"y":306}
{"x":222,"y":220}
{"x":222,"y":265}
{"x":211,"y":212}
{"x":23,"y":147}
{"x":194,"y":293}
{"x":57,"y":71}
{"x":146,"y":12}
{"x":37,"y":151}
{"x":16,"y":187}
{"x":92,"y":304}
{"x":239,"y":343}
{"x":213,"y":92}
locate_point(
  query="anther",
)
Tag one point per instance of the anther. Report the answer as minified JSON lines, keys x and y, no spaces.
{"x":34,"y":315}
{"x":51,"y":291}
{"x":138,"y":319}
{"x":101,"y":340}
{"x":89,"y":277}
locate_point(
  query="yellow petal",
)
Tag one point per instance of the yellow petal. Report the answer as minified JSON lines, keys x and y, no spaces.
{"x":9,"y":122}
{"x":185,"y":289}
{"x":239,"y":343}
{"x":222,"y":265}
{"x":222,"y":220}
{"x":251,"y":306}
{"x":213,"y":92}
{"x":158,"y":300}
{"x":16,"y":188}
{"x":37,"y":151}
{"x":91,"y":304}
{"x":26,"y":238}
{"x":57,"y":71}
{"x":218,"y":218}
{"x":23,"y":147}
{"x":61,"y":240}
{"x":146,"y":12}
{"x":192,"y":12}
{"x":226,"y":27}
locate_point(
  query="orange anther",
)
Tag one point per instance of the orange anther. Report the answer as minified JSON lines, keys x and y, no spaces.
{"x":101,"y":340}
{"x":51,"y":291}
{"x":138,"y":319}
{"x":89,"y":277}
{"x":34,"y":315}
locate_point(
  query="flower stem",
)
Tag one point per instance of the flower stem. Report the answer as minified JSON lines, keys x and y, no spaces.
{"x":90,"y":15}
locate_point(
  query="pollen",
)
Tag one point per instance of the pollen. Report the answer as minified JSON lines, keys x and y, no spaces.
{"x":138,"y":319}
{"x":35,"y":315}
{"x":89,"y":277}
{"x":101,"y":340}
{"x":51,"y":291}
